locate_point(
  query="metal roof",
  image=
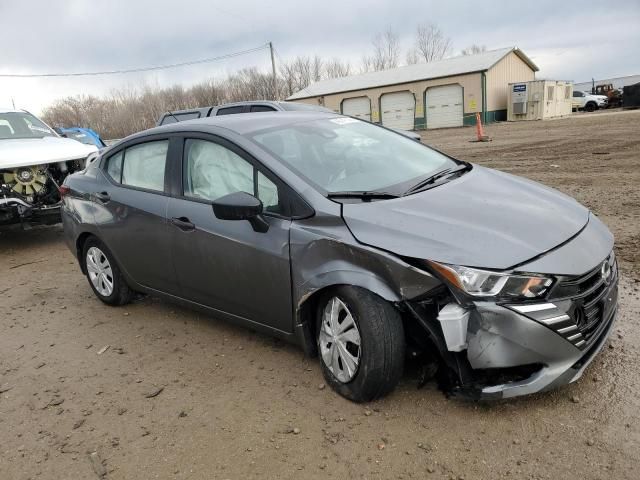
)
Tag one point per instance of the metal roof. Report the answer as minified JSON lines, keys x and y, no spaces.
{"x":617,"y":82}
{"x":412,"y":73}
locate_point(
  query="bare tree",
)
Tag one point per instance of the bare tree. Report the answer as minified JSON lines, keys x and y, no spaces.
{"x":431,"y":43}
{"x":412,"y":56}
{"x":473,"y":49}
{"x":386,"y":52}
{"x":336,"y":68}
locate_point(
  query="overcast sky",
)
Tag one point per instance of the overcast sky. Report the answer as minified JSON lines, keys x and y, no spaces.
{"x":567,"y":40}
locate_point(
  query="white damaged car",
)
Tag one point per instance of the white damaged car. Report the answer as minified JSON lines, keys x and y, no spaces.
{"x":34,"y":161}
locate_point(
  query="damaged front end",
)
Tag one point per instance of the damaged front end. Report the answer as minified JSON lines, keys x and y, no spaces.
{"x":31,"y":194}
{"x":495,"y":350}
{"x":483,"y":346}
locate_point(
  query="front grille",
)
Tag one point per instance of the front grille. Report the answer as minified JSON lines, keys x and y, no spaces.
{"x":592,"y":305}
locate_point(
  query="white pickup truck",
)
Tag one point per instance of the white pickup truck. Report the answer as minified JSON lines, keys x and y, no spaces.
{"x":34,"y":161}
{"x":588,"y":102}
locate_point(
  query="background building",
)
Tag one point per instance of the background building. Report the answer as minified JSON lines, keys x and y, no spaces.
{"x":447,"y":93}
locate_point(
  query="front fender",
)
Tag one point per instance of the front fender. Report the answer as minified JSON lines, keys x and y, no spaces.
{"x":322,"y":258}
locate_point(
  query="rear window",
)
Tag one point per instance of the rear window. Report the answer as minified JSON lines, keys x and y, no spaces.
{"x":179,"y":117}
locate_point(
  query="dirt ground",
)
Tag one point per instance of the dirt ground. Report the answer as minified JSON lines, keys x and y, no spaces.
{"x":180,"y":395}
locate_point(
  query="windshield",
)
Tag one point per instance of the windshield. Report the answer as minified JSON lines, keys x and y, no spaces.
{"x":22,"y":125}
{"x":345,"y":154}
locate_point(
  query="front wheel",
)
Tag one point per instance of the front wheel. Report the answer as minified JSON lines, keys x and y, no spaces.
{"x":104,"y":276}
{"x":361,"y":343}
{"x":590,"y":107}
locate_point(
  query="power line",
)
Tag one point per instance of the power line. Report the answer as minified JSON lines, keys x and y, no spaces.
{"x":135,"y":70}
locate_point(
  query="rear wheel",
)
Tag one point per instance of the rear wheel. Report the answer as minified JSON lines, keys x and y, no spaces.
{"x":103,"y":274}
{"x":361,"y":343}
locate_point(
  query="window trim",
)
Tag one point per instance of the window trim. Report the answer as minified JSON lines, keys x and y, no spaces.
{"x":290,"y":197}
{"x":133,"y":143}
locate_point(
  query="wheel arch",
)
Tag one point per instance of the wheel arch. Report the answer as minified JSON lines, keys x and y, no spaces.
{"x":80,"y":242}
{"x":308,"y":302}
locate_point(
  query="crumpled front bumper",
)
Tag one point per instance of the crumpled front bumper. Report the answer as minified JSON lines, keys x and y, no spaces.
{"x":501,"y":338}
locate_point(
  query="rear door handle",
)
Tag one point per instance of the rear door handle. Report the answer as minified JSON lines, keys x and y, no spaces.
{"x":183,"y":224}
{"x":102,"y":196}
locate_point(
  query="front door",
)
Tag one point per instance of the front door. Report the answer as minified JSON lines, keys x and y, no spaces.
{"x":225,"y":264}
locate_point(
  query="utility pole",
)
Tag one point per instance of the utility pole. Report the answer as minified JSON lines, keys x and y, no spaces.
{"x":273,"y":68}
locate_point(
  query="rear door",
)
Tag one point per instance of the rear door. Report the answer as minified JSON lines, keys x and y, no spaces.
{"x":130,"y":211}
{"x":225,"y":264}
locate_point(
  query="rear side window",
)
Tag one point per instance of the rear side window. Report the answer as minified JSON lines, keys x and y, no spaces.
{"x":262,"y":108}
{"x":140,"y":166}
{"x":230,"y":110}
{"x":114,"y":167}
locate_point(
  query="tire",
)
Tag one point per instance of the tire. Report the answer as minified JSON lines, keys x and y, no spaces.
{"x":380,"y":355}
{"x":97,"y":259}
{"x":590,"y":107}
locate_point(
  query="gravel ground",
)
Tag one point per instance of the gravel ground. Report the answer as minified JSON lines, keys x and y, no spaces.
{"x":153,"y":390}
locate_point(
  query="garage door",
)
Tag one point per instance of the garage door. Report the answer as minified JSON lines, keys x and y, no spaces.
{"x":444,"y":106}
{"x":359,"y":107}
{"x":398,"y":110}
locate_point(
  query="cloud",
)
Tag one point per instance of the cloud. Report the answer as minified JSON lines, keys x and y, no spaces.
{"x":565,"y":40}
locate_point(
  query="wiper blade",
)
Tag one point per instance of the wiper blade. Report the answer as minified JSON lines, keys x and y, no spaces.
{"x":363,"y":194}
{"x":437,"y":176}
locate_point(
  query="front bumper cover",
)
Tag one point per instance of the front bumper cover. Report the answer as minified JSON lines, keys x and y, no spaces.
{"x":525,"y":348}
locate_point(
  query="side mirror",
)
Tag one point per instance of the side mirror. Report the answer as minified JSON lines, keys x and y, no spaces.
{"x":241,"y":206}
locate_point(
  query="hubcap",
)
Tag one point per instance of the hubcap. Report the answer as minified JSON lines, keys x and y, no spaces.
{"x":339,"y":341}
{"x":100,"y":272}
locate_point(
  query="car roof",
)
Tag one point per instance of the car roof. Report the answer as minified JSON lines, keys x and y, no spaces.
{"x":11,"y":110}
{"x":242,"y":124}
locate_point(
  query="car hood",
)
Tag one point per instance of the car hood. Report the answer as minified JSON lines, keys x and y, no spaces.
{"x":23,"y":152}
{"x":485,"y":218}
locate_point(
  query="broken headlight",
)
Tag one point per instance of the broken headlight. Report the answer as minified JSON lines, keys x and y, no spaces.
{"x":485,"y":283}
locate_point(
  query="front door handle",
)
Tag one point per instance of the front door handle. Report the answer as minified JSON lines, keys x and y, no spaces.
{"x":183,"y":224}
{"x":102,"y":197}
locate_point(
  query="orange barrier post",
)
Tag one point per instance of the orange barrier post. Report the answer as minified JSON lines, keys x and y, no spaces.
{"x":480,"y":131}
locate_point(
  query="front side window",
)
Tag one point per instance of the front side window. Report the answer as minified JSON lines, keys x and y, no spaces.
{"x":212,"y":171}
{"x":345,"y":154}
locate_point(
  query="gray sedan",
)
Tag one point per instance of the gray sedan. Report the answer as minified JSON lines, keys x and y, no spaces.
{"x":356,"y":243}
